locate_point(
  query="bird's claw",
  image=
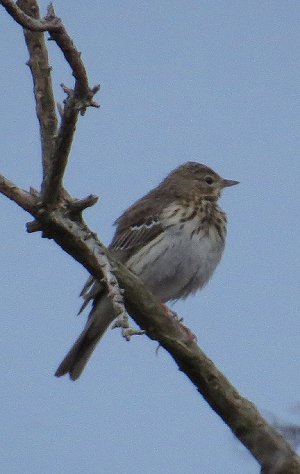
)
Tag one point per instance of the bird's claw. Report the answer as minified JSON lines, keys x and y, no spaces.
{"x":191,"y":337}
{"x":127,"y":331}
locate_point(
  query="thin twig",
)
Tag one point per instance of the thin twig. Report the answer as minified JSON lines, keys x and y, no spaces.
{"x":71,"y":54}
{"x":43,"y":91}
{"x":57,"y":32}
{"x":21,"y":197}
{"x":34,"y":226}
{"x":76,"y":102}
{"x":78,"y":205}
{"x":27,"y":21}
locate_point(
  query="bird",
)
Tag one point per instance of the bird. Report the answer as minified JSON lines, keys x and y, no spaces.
{"x":172,"y":238}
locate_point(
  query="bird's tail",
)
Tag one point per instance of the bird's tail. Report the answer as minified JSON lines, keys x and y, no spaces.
{"x":99,"y":320}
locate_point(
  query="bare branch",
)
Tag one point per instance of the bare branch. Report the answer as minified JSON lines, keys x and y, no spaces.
{"x":33,"y":226}
{"x":18,"y":195}
{"x":78,"y":205}
{"x":41,"y":75}
{"x":71,"y":54}
{"x":77,"y":101}
{"x":57,"y":32}
{"x":26,"y":20}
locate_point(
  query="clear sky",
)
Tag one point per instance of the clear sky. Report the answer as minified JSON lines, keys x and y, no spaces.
{"x":210,"y":81}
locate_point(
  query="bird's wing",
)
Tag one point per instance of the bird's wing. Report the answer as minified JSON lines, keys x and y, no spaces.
{"x":138,"y":225}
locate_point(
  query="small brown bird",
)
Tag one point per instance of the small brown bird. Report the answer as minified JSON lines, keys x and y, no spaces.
{"x":172,"y":238}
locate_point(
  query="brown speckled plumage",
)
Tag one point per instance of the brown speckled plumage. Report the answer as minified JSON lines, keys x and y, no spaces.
{"x":172,"y":238}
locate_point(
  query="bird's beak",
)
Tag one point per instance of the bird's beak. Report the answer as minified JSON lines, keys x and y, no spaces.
{"x":229,"y":182}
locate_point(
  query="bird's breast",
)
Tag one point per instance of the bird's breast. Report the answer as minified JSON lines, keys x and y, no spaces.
{"x":181,"y":259}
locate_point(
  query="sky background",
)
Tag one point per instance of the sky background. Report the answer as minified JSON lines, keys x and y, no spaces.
{"x":210,"y":81}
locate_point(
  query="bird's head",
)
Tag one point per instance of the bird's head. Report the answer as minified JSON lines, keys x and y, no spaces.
{"x":193,"y":177}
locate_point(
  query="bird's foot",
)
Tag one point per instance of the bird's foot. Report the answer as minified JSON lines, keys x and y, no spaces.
{"x":191,"y":337}
{"x":127,"y":331}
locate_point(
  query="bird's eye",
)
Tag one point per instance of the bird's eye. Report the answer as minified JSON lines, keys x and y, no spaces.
{"x":209,"y":180}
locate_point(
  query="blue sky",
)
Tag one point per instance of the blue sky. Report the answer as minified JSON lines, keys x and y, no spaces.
{"x":211,"y":81}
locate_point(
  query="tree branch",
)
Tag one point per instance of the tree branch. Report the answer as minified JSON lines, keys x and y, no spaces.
{"x":42,"y":84}
{"x":73,"y":236}
{"x":79,"y":205}
{"x":76,"y":102}
{"x":30,"y":22}
{"x":24,"y":199}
